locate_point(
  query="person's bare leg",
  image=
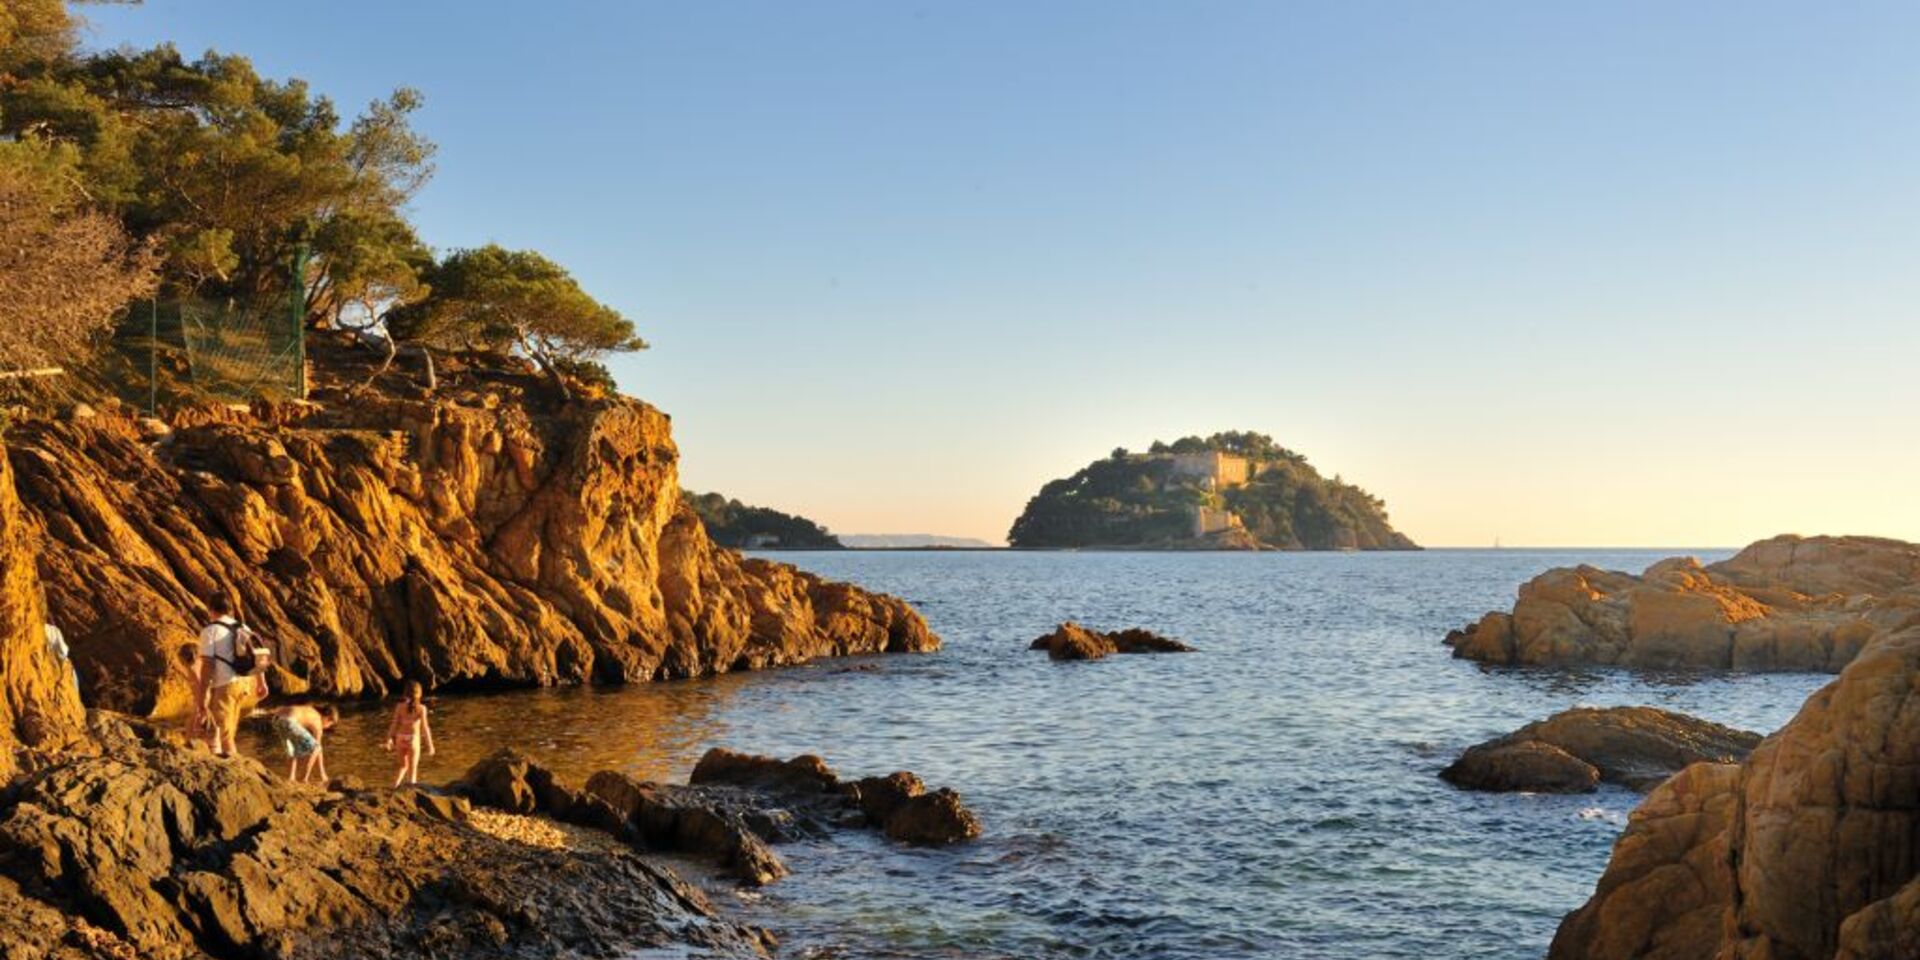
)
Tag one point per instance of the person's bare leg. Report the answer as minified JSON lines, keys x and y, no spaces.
{"x":399,"y":768}
{"x":319,"y":763}
{"x":293,"y":769}
{"x":413,"y":763}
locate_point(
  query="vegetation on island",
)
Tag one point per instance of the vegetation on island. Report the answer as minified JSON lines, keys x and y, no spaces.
{"x":1233,"y":490}
{"x":128,"y":174}
{"x":734,"y":524}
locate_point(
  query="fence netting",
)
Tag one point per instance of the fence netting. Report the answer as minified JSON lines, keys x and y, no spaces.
{"x":240,"y":351}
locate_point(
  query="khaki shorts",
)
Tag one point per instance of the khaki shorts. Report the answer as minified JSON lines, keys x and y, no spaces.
{"x":229,"y":702}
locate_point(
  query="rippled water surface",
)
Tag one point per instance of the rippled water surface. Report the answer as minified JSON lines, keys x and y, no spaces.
{"x":1271,"y":796}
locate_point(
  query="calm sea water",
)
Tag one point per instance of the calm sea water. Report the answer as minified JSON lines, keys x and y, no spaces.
{"x":1271,"y":796}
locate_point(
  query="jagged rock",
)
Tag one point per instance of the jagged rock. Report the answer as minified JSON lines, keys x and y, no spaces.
{"x":690,"y":821}
{"x":898,"y":804}
{"x":1528,"y":765}
{"x":38,"y":707}
{"x":509,"y":780}
{"x":933,"y":819}
{"x":802,"y":775}
{"x":173,"y":854}
{"x":1071,"y":641}
{"x":881,"y":797}
{"x":523,"y":542}
{"x":1789,"y":603}
{"x":1575,"y":750}
{"x":1810,"y":849}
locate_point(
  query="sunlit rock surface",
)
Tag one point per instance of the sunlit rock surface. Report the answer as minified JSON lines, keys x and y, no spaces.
{"x":490,"y":535}
{"x":1788,"y":603}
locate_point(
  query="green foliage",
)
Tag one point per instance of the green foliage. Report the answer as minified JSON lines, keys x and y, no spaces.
{"x":1143,"y":501}
{"x":226,"y":172}
{"x":492,"y":298}
{"x":590,"y":372}
{"x":734,"y":524}
{"x":221,"y":175}
{"x":33,"y":31}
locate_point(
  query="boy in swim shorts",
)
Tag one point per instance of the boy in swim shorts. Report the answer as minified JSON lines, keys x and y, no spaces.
{"x":304,"y":730}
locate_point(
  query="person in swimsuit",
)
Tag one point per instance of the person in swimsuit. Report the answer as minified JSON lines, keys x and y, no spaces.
{"x":408,"y":733}
{"x":304,"y":729}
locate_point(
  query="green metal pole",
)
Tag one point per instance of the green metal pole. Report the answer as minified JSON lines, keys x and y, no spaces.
{"x":300,"y":254}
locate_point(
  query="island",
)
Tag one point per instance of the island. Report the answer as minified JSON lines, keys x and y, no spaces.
{"x":745,"y":527}
{"x":1230,"y":491}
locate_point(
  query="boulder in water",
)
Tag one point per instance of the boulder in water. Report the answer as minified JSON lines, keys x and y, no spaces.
{"x":1805,"y":850}
{"x":1071,"y":641}
{"x":1576,"y":750}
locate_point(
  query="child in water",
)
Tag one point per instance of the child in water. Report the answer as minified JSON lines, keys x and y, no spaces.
{"x":305,"y":729}
{"x":408,"y":732}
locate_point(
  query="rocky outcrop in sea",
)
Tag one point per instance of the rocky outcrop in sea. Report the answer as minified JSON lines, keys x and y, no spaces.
{"x":733,"y":808}
{"x":1789,"y":603}
{"x":1810,"y":849}
{"x":1071,"y":641}
{"x":1574,"y":751}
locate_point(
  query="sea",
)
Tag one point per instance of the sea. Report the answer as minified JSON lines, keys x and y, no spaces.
{"x":1274,"y":795}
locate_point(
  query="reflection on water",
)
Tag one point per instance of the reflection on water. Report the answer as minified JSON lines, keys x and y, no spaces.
{"x":1274,"y":795}
{"x":653,"y":731}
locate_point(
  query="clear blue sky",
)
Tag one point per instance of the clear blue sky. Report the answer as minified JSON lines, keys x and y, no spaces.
{"x":1640,"y":273}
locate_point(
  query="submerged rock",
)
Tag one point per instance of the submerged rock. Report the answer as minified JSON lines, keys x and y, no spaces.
{"x":1789,"y":603}
{"x":1809,"y":849}
{"x":1576,"y":750}
{"x":1071,"y":641}
{"x":150,"y":849}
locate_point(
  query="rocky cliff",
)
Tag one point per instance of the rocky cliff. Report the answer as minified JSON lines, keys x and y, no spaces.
{"x":1788,"y":603}
{"x":1809,"y":850}
{"x":490,"y":534}
{"x":38,"y":707}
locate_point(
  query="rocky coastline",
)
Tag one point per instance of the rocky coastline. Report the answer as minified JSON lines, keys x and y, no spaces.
{"x":1808,"y":848}
{"x":492,"y":534}
{"x":1803,"y":604}
{"x":489,"y":535}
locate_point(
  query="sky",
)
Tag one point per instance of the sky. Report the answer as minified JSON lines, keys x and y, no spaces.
{"x":1636,"y":273}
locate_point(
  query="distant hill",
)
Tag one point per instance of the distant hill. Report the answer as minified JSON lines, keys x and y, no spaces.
{"x":911,"y":541}
{"x":734,"y":524}
{"x":1229,"y":491}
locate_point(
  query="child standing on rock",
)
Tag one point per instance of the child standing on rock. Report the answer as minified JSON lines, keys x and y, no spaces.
{"x":408,"y":732}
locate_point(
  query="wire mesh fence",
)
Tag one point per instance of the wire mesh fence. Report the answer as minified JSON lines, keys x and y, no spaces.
{"x":238,"y":352}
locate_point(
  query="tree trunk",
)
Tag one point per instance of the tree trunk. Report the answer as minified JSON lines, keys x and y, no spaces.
{"x":386,"y":363}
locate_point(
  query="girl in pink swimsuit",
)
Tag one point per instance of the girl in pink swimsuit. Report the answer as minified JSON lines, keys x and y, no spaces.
{"x":408,"y":732}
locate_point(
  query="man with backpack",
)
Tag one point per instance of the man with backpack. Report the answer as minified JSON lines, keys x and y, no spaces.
{"x":230,"y":674}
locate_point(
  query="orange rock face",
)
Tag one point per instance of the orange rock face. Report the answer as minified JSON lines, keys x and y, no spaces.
{"x":469,"y":540}
{"x":1809,"y":850}
{"x":1789,"y":603}
{"x":38,"y":706}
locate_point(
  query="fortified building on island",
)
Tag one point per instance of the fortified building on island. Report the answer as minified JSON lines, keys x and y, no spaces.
{"x":1215,"y":471}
